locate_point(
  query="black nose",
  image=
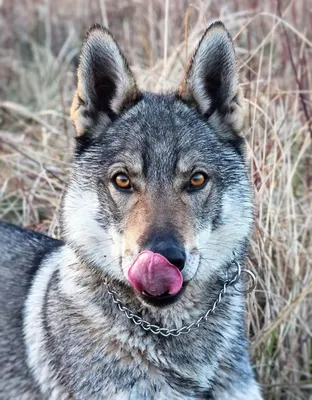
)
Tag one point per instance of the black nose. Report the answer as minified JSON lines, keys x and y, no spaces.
{"x":174,"y":255}
{"x":168,"y":247}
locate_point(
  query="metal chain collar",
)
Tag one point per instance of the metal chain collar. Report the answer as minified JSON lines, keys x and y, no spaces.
{"x":157,"y":330}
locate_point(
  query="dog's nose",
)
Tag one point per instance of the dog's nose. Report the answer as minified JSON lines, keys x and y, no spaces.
{"x":174,"y":255}
{"x":168,"y":246}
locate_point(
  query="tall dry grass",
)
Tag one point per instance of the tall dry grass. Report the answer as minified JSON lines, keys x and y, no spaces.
{"x":39,"y":45}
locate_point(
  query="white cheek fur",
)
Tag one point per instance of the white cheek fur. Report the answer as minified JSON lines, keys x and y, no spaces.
{"x":101,"y":247}
{"x":216,"y":246}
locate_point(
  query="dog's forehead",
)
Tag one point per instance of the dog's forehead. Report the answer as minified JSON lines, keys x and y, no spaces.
{"x":160,"y":124}
{"x":161,"y":134}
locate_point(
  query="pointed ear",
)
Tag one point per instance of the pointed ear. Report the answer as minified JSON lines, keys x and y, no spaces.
{"x":211,"y":81}
{"x":106,"y":85}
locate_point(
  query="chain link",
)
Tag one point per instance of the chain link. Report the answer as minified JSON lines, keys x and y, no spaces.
{"x":157,"y":330}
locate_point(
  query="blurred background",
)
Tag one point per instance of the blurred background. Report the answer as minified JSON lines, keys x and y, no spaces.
{"x":39,"y":48}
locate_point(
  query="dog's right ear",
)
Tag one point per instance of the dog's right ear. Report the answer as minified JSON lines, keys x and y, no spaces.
{"x":106,"y":85}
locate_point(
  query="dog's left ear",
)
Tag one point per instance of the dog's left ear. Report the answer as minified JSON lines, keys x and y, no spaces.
{"x":211,"y":80}
{"x":106,"y":85}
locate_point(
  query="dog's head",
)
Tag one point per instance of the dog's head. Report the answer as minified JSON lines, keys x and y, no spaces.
{"x":160,"y":194}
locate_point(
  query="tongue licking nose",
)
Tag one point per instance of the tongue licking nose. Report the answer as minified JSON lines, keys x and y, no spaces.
{"x":154,"y":274}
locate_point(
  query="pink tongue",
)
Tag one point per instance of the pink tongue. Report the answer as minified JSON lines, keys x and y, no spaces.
{"x":154,"y":274}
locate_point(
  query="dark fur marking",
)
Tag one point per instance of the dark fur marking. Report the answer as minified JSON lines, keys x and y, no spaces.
{"x":186,"y":386}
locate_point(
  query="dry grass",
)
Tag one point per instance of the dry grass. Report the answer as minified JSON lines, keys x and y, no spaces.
{"x":38,"y":53}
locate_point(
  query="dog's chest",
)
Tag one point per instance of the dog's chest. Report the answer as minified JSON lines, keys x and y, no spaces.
{"x":124,"y":372}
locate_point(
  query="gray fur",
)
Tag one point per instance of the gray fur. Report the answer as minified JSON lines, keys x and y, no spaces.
{"x":61,"y":337}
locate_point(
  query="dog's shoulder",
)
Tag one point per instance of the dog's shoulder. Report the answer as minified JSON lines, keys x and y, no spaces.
{"x":21,"y":254}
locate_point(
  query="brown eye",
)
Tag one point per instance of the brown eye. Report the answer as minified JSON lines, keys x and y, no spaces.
{"x":122,"y":181}
{"x":198,"y":180}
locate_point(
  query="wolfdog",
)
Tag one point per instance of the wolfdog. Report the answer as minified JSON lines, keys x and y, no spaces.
{"x":139,"y":301}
